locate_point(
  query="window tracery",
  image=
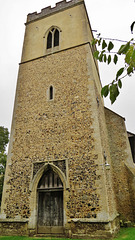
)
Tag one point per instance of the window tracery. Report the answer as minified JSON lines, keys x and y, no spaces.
{"x":53,"y":38}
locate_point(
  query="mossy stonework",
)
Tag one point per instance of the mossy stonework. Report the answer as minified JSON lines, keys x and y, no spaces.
{"x":62,"y":176}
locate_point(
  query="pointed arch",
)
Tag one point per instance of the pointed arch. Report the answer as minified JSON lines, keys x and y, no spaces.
{"x":33,"y":190}
{"x":39,"y":174}
{"x":49,"y":40}
{"x":50,"y":180}
{"x":56,"y":38}
{"x":52,"y":37}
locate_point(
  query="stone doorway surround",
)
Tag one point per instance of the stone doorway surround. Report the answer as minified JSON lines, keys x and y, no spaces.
{"x":50,"y":203}
{"x":33,"y":221}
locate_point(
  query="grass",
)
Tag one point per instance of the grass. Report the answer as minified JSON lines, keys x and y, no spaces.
{"x":124,"y":234}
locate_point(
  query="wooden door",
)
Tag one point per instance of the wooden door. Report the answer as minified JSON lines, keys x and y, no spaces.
{"x":50,"y":204}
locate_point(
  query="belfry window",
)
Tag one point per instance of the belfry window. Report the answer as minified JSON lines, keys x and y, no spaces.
{"x":53,"y":38}
{"x":49,"y":40}
{"x":56,"y":38}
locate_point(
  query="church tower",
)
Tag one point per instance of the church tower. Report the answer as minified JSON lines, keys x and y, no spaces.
{"x":58,"y":178}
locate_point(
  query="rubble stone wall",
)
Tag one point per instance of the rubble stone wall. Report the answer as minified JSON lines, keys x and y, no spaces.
{"x":13,"y":228}
{"x":63,"y":129}
{"x":121,"y":159}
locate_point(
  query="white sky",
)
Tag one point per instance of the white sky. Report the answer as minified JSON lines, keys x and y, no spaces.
{"x":112,"y":18}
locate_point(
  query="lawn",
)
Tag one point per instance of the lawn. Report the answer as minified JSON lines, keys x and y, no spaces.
{"x":124,"y":234}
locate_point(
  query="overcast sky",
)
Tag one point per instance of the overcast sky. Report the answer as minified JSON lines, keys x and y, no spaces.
{"x":111,"y":18}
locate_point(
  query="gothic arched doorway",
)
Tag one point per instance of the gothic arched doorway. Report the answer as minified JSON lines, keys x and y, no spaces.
{"x":50,"y":203}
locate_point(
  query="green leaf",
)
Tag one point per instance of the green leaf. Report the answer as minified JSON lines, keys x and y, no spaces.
{"x":120,"y":84}
{"x":105,"y":91}
{"x":105,"y":57}
{"x":99,"y":41}
{"x":96,"y":53}
{"x":133,"y":60}
{"x":120,"y":51}
{"x":115,"y":60}
{"x":100,"y":58}
{"x":128,"y":57}
{"x":121,"y":70}
{"x":124,"y":48}
{"x":104,"y":44}
{"x":133,"y":55}
{"x":94,"y":41}
{"x":130,"y":70}
{"x":114,"y":92}
{"x":109,"y":59}
{"x":110,"y":46}
{"x":112,"y":98}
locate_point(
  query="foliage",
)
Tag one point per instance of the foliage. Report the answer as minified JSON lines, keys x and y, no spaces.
{"x":107,"y":56}
{"x":4,"y":138}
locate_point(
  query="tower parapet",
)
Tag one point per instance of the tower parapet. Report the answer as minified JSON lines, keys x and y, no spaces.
{"x":49,"y":10}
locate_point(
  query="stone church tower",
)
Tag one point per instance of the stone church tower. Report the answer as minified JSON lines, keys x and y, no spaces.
{"x":62,"y":176}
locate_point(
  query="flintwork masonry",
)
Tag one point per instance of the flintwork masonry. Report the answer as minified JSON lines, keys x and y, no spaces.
{"x":70,"y":170}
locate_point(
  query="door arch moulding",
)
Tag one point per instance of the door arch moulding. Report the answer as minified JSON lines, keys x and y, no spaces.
{"x":32,"y":225}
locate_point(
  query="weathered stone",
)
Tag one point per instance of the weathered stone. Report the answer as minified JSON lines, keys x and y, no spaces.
{"x":59,"y":126}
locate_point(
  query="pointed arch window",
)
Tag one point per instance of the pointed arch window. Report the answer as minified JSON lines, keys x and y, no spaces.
{"x":56,"y":38}
{"x":53,"y":38}
{"x":49,"y":40}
